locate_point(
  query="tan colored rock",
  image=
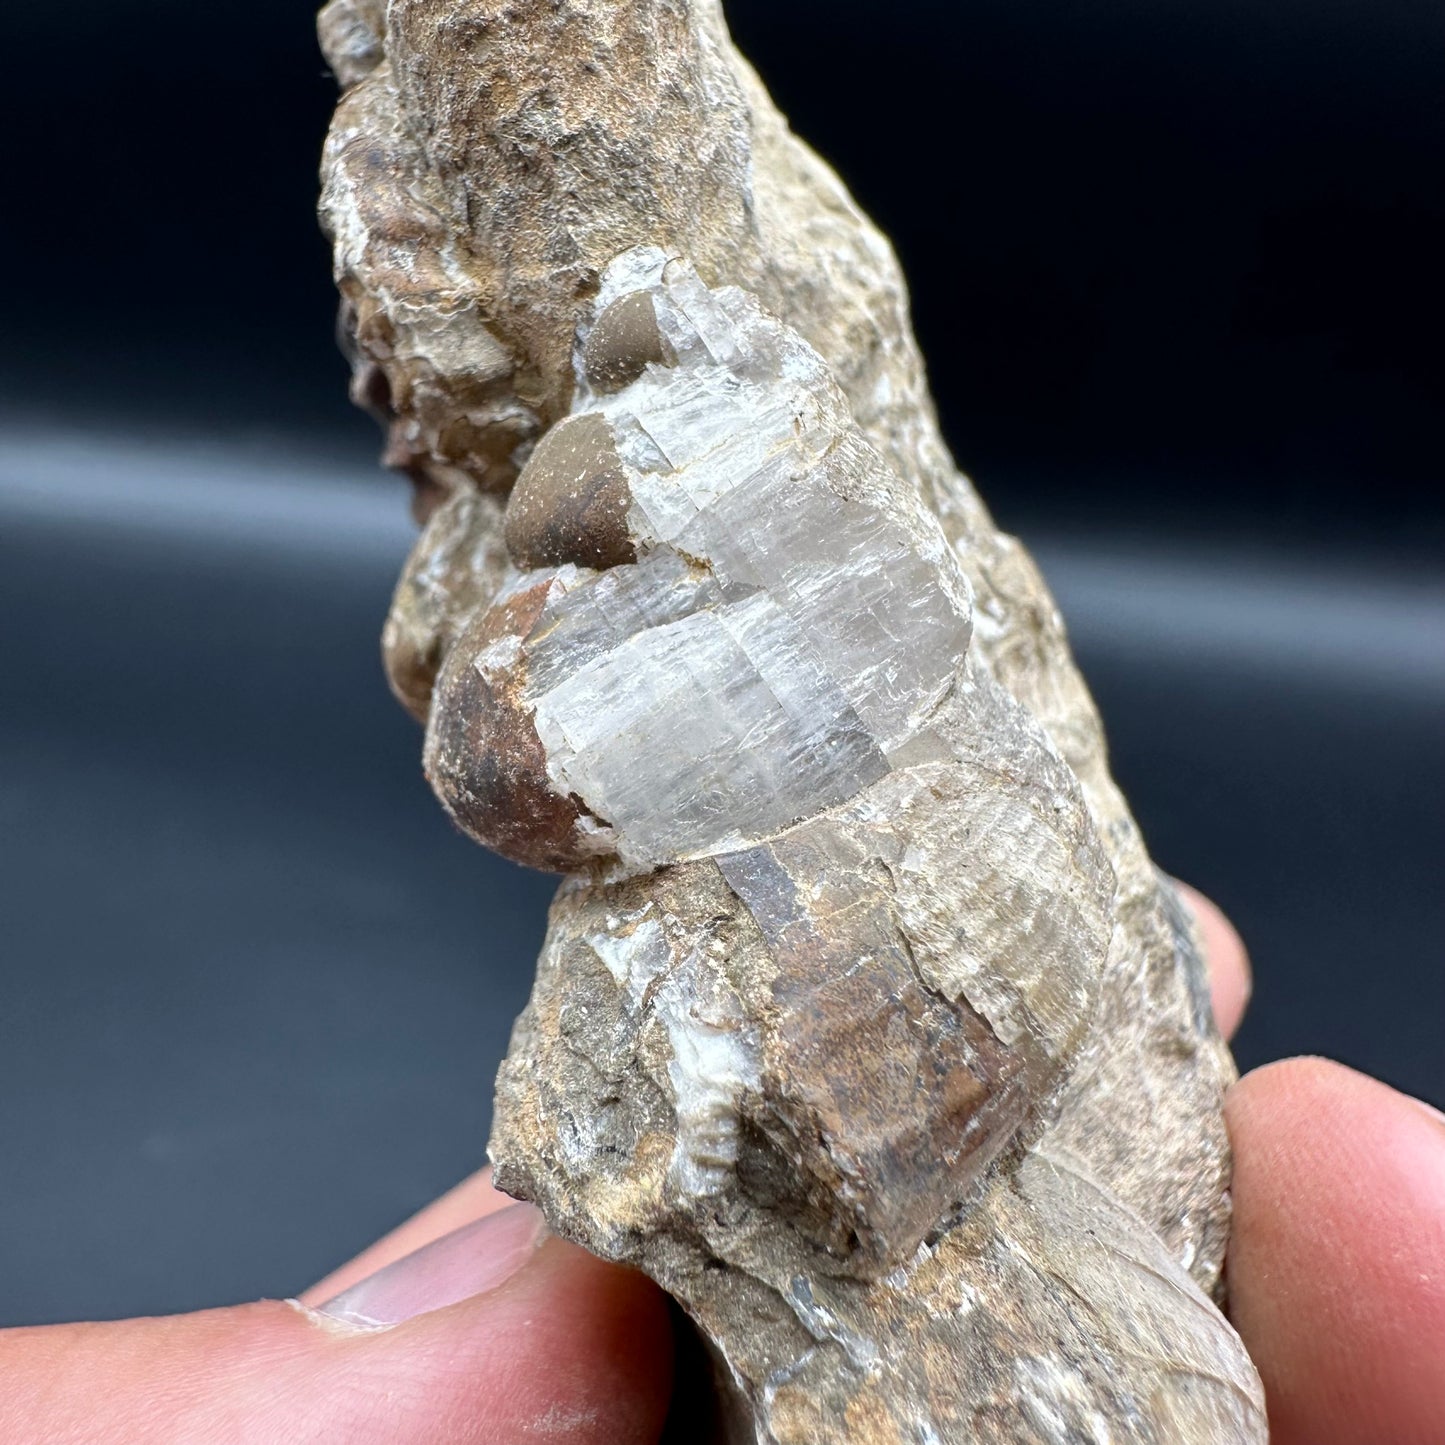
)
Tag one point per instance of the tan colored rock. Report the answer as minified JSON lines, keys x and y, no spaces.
{"x":864,"y":1024}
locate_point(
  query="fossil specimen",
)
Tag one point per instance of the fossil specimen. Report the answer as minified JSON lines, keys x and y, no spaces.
{"x":864,"y":1024}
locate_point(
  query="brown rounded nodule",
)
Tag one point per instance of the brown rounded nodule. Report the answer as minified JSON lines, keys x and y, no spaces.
{"x":570,"y":503}
{"x":483,"y":757}
{"x":622,"y":343}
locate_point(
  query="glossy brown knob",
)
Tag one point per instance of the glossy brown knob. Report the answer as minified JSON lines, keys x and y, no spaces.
{"x":571,"y":501}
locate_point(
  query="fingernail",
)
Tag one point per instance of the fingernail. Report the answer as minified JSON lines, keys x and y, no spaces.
{"x":468,"y":1262}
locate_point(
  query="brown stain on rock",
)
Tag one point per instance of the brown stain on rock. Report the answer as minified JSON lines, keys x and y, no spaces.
{"x":891,"y":1099}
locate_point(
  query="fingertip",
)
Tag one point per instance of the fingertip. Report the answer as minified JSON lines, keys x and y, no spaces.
{"x":472,"y":1199}
{"x":567,"y":1348}
{"x":606,"y":1335}
{"x":571,"y":1349}
{"x":1337,"y":1260}
{"x":1231,"y":980}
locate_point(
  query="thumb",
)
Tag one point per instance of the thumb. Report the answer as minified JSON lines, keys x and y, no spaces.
{"x":495,"y":1333}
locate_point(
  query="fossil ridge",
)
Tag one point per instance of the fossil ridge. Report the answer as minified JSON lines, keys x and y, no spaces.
{"x":864,"y":1023}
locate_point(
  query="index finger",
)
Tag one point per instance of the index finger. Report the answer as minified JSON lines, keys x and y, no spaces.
{"x":1230,"y":978}
{"x":472,"y":1199}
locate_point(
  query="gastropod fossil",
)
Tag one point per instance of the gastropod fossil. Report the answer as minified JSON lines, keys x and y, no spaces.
{"x":864,"y":1023}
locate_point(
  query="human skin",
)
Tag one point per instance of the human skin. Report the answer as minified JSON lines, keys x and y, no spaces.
{"x":1336,"y":1274}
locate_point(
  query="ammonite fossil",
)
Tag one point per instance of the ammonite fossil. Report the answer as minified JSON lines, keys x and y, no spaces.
{"x":864,"y":1024}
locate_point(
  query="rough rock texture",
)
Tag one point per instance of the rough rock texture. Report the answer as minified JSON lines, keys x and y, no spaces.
{"x":864,"y":1024}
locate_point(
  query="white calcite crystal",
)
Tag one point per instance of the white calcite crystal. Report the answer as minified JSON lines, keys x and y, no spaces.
{"x":864,"y":1024}
{"x":793,"y":614}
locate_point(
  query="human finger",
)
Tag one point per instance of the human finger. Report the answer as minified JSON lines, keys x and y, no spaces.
{"x":492,"y":1335}
{"x":1337,"y":1258}
{"x":472,"y":1199}
{"x":1230,"y":978}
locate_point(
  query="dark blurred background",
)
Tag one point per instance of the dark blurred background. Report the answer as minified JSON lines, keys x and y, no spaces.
{"x":1177,"y":270}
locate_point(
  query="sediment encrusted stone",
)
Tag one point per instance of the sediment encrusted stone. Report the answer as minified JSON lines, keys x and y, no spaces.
{"x":864,"y":1024}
